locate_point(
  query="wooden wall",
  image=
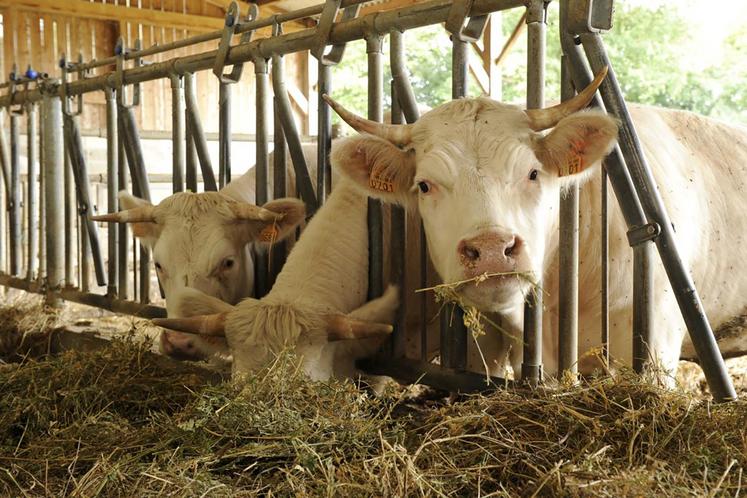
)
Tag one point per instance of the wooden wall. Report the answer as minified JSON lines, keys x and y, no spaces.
{"x":37,"y":37}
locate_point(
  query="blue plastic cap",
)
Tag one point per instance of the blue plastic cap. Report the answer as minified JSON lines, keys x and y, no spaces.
{"x":31,"y":74}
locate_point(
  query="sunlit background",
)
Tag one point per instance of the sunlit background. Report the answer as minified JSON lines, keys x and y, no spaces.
{"x":688,"y":54}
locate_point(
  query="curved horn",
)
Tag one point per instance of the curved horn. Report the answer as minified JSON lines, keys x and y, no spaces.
{"x":397,"y":134}
{"x":542,"y":119}
{"x":135,"y":215}
{"x":212,"y":325}
{"x":250,"y":212}
{"x":342,"y":327}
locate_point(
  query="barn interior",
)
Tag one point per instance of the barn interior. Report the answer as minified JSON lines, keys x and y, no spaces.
{"x":90,"y":406}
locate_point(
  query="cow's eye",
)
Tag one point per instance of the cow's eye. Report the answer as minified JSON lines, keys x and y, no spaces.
{"x":424,"y":187}
{"x":228,"y":263}
{"x":158,"y":266}
{"x":533,"y":174}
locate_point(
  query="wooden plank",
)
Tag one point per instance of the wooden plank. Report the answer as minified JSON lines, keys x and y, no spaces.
{"x":107,"y":11}
{"x":9,"y":40}
{"x":35,"y":36}
{"x":23,"y":51}
{"x":49,"y":56}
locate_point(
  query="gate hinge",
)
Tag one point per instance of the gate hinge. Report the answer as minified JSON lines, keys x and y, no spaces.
{"x":643,"y":233}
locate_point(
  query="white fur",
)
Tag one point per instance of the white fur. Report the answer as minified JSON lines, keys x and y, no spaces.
{"x":479,"y":154}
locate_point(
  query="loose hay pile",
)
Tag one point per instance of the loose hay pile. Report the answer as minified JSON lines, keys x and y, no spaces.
{"x":122,"y":421}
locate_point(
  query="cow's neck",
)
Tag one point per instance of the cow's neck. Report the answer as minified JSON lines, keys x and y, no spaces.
{"x":328,"y":267}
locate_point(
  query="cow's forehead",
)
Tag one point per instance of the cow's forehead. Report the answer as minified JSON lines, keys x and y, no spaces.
{"x":471,"y":120}
{"x":473,"y":131}
{"x":189,"y":207}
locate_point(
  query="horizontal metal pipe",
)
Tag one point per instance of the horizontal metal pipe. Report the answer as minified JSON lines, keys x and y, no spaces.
{"x":214,"y":35}
{"x":97,"y":300}
{"x":411,"y":371}
{"x":420,"y":14}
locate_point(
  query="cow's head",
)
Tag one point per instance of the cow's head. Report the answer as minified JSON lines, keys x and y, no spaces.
{"x":200,"y":240}
{"x":258,"y":329}
{"x":486,"y":179}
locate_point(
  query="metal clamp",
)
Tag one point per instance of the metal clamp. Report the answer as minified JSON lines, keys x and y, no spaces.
{"x":590,"y":16}
{"x":643,"y":233}
{"x":458,"y":13}
{"x":65,"y":68}
{"x":120,"y":51}
{"x":232,"y":22}
{"x":324,"y":30}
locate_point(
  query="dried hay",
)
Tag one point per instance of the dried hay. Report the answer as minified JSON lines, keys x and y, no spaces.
{"x":125,"y":422}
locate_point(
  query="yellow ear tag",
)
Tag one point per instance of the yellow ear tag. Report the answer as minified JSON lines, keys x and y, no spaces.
{"x":269,"y":233}
{"x":574,"y":160}
{"x":379,"y":182}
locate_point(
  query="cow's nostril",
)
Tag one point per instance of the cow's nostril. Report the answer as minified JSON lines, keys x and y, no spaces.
{"x":471,"y":253}
{"x":509,"y":250}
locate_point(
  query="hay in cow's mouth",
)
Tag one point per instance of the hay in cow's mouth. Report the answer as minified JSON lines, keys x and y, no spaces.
{"x":122,"y":421}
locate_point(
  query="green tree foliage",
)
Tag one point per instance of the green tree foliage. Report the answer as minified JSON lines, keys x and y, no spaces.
{"x":649,"y":48}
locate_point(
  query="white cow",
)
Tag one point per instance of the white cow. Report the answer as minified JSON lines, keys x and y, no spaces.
{"x":318,"y":297}
{"x":486,"y":179}
{"x":206,"y":241}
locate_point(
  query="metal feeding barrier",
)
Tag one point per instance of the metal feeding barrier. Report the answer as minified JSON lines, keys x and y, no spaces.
{"x":50,"y":258}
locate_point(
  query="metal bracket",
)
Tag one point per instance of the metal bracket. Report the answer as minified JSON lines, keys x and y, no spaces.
{"x":232,"y":22}
{"x":643,"y":233}
{"x":458,"y":13}
{"x":120,"y":51}
{"x":65,"y":68}
{"x":324,"y":30}
{"x":590,"y":16}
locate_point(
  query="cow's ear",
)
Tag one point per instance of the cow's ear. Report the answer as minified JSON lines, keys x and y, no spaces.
{"x":294,"y":213}
{"x":577,"y":142}
{"x":147,"y":232}
{"x":380,"y":168}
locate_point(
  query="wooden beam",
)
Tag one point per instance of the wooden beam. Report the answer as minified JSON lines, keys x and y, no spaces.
{"x":80,"y":8}
{"x":512,"y":39}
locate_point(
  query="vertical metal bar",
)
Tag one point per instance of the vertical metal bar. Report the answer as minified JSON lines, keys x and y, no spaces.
{"x":279,"y":180}
{"x":190,"y":152}
{"x":568,"y":254}
{"x":134,"y":151}
{"x":4,"y":194}
{"x":324,"y":127}
{"x":683,"y":287}
{"x":90,"y":247}
{"x":261,"y":168}
{"x":32,"y":193}
{"x":84,"y":256}
{"x":42,"y":227}
{"x":531,"y":369}
{"x":398,"y":251}
{"x":605,"y":277}
{"x":177,"y":134}
{"x":285,"y":115}
{"x":112,"y":186}
{"x":123,"y":240}
{"x":71,"y":240}
{"x":14,"y":200}
{"x":197,"y":134}
{"x":224,"y":134}
{"x":375,"y":221}
{"x":643,"y":306}
{"x":453,"y":331}
{"x":54,"y":192}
